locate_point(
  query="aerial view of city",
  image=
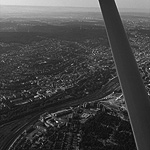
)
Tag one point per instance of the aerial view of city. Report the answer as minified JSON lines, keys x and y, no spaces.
{"x":59,"y":88}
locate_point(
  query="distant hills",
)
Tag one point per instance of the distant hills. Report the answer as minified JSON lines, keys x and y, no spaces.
{"x":28,"y":11}
{"x":63,"y":9}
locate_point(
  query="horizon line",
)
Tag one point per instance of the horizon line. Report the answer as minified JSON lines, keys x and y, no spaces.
{"x":121,"y":9}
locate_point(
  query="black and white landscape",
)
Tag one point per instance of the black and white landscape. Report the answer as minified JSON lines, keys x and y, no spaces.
{"x":57,"y":58}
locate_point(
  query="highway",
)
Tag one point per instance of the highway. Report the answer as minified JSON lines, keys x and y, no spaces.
{"x":112,"y":85}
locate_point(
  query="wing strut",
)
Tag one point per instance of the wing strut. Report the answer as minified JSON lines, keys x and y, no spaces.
{"x":136,"y":97}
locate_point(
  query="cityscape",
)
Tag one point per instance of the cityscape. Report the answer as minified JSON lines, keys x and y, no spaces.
{"x":58,"y":83}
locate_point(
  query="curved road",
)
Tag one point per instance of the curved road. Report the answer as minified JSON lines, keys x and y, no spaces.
{"x":106,"y":90}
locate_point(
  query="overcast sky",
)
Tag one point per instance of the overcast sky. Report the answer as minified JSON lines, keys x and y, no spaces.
{"x":140,"y":4}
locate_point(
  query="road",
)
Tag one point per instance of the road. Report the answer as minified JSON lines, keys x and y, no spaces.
{"x":105,"y":91}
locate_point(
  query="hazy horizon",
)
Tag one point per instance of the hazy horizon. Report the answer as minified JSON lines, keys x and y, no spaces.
{"x":78,"y":8}
{"x":128,"y":4}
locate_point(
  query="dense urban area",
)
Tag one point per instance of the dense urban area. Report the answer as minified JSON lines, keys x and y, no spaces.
{"x":52,"y":61}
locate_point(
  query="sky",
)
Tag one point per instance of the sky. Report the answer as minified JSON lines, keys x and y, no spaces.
{"x":138,"y":4}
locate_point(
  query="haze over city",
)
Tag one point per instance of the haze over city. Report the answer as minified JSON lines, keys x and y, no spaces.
{"x":59,"y":87}
{"x":137,"y":4}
